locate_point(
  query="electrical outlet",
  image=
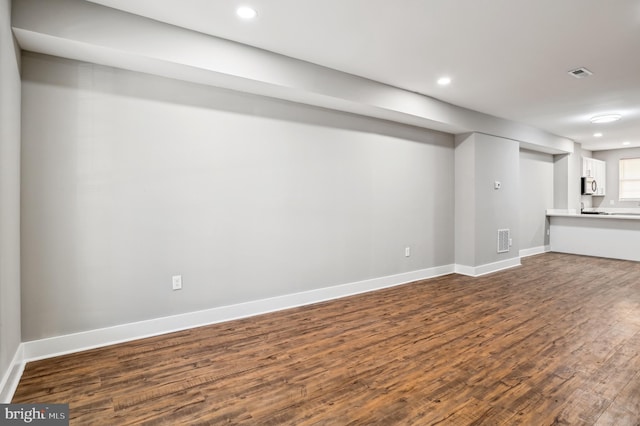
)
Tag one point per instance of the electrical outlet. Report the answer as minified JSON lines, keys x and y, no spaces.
{"x":548,"y":231}
{"x":176,"y":281}
{"x":497,"y":184}
{"x":407,"y":251}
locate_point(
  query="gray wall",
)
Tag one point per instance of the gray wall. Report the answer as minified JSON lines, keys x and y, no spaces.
{"x":561,"y":181}
{"x":611,"y":157}
{"x":496,"y":159}
{"x":480,"y":209}
{"x":129,"y":179}
{"x":567,"y":172}
{"x":465,"y":199}
{"x":536,"y":195}
{"x":9,"y":193}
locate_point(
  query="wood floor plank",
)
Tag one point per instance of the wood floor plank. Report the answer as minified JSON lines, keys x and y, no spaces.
{"x":555,"y":341}
{"x":625,"y":408}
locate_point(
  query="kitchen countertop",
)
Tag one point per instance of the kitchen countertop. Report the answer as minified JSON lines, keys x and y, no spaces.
{"x":616,"y":236}
{"x":603,"y":215}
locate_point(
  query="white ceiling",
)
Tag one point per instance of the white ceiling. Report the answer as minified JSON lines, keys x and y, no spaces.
{"x":507,"y":58}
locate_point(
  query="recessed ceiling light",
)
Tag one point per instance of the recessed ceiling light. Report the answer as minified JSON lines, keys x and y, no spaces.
{"x":608,"y":118}
{"x":625,"y":143}
{"x":246,"y":12}
{"x":443,"y":81}
{"x":597,"y":135}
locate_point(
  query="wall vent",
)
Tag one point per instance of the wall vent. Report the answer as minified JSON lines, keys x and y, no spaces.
{"x":580,"y":72}
{"x":503,"y":240}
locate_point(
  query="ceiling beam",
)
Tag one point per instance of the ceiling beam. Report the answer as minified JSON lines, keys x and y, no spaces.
{"x":84,"y":31}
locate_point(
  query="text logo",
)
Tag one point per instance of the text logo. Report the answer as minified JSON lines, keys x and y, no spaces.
{"x":34,"y":414}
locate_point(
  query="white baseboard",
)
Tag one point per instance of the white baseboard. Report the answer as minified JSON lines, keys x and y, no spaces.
{"x":10,"y":380}
{"x":475,"y":271}
{"x":465,"y":270}
{"x":60,"y":345}
{"x":534,"y":250}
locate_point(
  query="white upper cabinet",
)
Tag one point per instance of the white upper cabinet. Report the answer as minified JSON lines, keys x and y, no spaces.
{"x":587,"y":167}
{"x":600,"y":175}
{"x":598,"y":170}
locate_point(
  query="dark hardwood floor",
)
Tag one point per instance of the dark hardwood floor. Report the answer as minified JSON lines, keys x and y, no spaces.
{"x":556,"y":341}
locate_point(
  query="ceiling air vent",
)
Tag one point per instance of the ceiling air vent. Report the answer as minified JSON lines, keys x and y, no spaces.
{"x":580,"y":72}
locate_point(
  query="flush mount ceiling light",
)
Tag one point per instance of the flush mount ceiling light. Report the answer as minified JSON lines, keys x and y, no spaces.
{"x":443,"y":81}
{"x":607,"y":118}
{"x":625,"y":143}
{"x":597,"y":135}
{"x":246,"y":12}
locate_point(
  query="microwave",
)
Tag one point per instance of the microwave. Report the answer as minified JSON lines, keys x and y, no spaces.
{"x":589,"y":186}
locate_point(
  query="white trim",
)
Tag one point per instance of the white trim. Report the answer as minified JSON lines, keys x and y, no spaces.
{"x":466,"y":270}
{"x":534,"y":250}
{"x":10,"y":380}
{"x":60,"y":345}
{"x":551,"y":212}
{"x":475,"y":271}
